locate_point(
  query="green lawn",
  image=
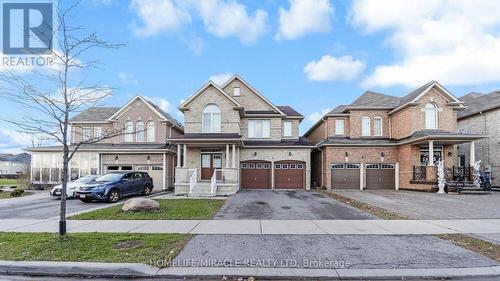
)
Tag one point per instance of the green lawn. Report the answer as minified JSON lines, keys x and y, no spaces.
{"x":8,"y":182}
{"x":91,"y":247}
{"x":170,"y":209}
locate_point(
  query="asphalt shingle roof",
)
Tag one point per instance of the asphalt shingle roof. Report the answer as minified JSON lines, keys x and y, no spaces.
{"x":95,"y":114}
{"x":289,"y":111}
{"x":338,"y":110}
{"x":372,"y":99}
{"x":24,"y":158}
{"x":480,"y":104}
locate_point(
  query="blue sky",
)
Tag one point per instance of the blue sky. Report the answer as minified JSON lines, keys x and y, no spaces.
{"x":311,"y":55}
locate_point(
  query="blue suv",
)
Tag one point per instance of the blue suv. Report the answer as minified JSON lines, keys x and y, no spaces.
{"x":113,"y":186}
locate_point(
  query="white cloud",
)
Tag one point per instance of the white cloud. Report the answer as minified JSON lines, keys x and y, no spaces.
{"x":330,"y":68}
{"x":315,"y":116}
{"x":303,"y":17}
{"x":128,"y":78}
{"x":230,"y":19}
{"x":454,"y":42}
{"x":161,"y":103}
{"x":221,"y":78}
{"x":12,"y":141}
{"x":158,"y":16}
{"x":222,"y":18}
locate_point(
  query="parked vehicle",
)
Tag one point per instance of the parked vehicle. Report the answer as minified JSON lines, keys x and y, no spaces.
{"x":113,"y":186}
{"x":71,"y":186}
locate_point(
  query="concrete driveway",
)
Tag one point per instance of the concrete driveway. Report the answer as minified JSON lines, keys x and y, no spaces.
{"x":423,"y":205}
{"x":286,"y":205}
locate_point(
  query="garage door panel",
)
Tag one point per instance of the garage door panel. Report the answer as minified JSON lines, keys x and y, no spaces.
{"x":345,"y":176}
{"x":255,"y":175}
{"x":380,"y":176}
{"x":289,"y":174}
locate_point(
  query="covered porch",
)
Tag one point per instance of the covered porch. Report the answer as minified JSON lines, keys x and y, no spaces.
{"x":207,"y":168}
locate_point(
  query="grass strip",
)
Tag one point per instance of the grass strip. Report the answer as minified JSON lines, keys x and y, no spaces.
{"x":477,"y":245}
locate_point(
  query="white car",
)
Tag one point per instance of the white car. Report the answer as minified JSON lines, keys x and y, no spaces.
{"x":70,"y":188}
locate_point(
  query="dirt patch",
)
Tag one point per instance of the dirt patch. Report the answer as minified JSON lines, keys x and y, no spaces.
{"x":127,"y":245}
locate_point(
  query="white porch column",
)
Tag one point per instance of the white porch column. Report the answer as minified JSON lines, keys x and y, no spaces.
{"x":431,"y":154}
{"x":396,"y":176}
{"x":178,"y":156}
{"x":361,"y":176}
{"x":227,"y":155}
{"x":472,"y":151}
{"x":234,"y":156}
{"x":185,"y":156}
{"x":272,"y":173}
{"x":164,"y":171}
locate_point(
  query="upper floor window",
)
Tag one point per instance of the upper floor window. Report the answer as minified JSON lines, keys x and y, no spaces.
{"x":339,"y":126}
{"x":139,"y":131}
{"x":236,"y":91}
{"x":287,"y":129}
{"x":97,"y":132}
{"x":129,"y":129}
{"x":211,"y":119}
{"x":365,"y":126}
{"x":431,"y":118}
{"x":86,"y":133}
{"x":259,"y":128}
{"x":150,"y":129}
{"x":377,"y":126}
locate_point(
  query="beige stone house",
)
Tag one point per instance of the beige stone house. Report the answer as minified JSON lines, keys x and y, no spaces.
{"x":142,"y":147}
{"x":386,"y":142}
{"x":235,"y":138}
{"x":482,"y":116}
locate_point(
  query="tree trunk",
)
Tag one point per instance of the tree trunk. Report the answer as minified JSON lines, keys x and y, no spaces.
{"x":64,"y":178}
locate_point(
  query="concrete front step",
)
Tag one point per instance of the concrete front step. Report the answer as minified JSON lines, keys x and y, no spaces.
{"x":198,"y":194}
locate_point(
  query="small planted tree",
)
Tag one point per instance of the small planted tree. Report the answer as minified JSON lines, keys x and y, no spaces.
{"x":51,"y":95}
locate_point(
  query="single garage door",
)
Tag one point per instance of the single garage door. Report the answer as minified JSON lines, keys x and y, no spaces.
{"x":155,"y":172}
{"x":380,"y":176}
{"x":345,"y":176}
{"x":289,"y":174}
{"x":255,"y":174}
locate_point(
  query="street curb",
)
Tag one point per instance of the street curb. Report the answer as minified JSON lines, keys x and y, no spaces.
{"x":137,"y":270}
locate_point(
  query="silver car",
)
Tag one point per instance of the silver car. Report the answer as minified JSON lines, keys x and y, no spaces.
{"x":70,"y":188}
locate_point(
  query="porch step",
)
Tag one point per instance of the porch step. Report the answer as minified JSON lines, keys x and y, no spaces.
{"x":201,"y":189}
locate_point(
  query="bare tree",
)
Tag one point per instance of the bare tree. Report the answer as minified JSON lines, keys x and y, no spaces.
{"x":51,"y":95}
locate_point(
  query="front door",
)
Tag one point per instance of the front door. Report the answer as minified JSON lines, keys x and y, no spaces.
{"x":209,"y":162}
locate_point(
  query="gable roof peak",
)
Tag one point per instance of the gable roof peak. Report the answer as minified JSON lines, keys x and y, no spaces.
{"x":209,"y":83}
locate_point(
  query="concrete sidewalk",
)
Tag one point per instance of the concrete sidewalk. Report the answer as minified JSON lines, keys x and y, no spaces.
{"x":131,"y":270}
{"x":259,"y":227}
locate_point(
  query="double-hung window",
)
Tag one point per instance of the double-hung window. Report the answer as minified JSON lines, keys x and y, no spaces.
{"x":259,"y":128}
{"x":377,"y":126}
{"x":97,"y":132}
{"x":287,"y":129}
{"x":339,"y":126}
{"x":211,"y":119}
{"x":129,"y":129}
{"x":86,"y":134}
{"x":365,"y":126}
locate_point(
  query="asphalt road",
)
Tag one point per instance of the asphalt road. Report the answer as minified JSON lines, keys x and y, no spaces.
{"x":39,"y":206}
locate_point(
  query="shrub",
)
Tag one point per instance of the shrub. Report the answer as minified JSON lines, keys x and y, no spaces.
{"x":1,"y":190}
{"x":16,"y":193}
{"x":12,"y":187}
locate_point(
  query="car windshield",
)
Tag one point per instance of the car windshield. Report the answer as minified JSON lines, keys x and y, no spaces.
{"x":86,"y":179}
{"x":109,"y":177}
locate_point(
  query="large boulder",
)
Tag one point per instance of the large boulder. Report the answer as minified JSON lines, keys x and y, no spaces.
{"x":140,"y":204}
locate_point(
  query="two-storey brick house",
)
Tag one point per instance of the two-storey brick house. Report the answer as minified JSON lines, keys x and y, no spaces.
{"x":386,"y":142}
{"x":235,"y":138}
{"x":140,"y":145}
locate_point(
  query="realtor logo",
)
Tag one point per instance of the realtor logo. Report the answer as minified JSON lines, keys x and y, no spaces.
{"x":27,"y":27}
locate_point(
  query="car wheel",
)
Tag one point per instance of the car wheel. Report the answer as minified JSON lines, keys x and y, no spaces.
{"x":147,"y":190}
{"x":113,"y":196}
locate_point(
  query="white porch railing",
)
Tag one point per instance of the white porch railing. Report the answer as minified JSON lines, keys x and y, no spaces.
{"x":192,"y":179}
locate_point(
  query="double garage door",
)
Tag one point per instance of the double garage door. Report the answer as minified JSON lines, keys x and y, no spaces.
{"x":378,"y":176}
{"x":256,"y":174}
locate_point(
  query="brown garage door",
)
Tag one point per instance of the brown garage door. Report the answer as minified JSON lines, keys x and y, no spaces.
{"x":289,"y":174}
{"x":380,"y":176}
{"x":345,"y":176}
{"x":255,"y":174}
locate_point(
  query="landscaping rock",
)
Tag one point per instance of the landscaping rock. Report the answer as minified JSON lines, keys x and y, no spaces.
{"x":140,"y":204}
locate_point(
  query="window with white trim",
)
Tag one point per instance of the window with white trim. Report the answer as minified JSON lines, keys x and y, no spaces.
{"x":377,"y":126}
{"x":339,"y":126}
{"x":259,"y":128}
{"x":211,"y":119}
{"x":365,"y":126}
{"x":287,"y":129}
{"x":97,"y":132}
{"x":86,"y":133}
{"x":150,"y":128}
{"x":431,"y":118}
{"x":129,"y":129}
{"x":139,"y":131}
{"x":236,"y":91}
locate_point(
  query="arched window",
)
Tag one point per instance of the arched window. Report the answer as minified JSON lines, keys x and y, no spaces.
{"x":150,"y":128}
{"x":139,"y":131}
{"x":365,"y":126}
{"x":377,"y":126}
{"x":129,"y":128}
{"x":431,"y":117}
{"x":211,"y":119}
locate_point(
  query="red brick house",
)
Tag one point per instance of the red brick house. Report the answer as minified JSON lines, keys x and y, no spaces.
{"x":383,"y":142}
